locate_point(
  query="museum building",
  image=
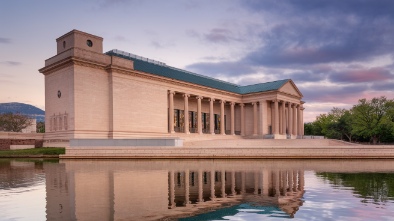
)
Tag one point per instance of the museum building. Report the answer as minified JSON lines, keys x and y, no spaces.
{"x":91,"y":94}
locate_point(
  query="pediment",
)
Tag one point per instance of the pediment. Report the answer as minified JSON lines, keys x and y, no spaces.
{"x":290,"y":88}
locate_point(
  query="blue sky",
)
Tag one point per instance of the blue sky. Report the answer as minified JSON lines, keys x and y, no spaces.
{"x":335,"y":51}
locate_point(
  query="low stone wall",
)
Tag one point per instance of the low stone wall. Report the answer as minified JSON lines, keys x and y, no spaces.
{"x":291,"y":152}
{"x":17,"y":140}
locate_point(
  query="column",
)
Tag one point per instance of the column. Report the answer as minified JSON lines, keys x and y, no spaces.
{"x":172,"y":191}
{"x":171,"y":112}
{"x":301,"y":180}
{"x":295,"y":180}
{"x":199,"y":126}
{"x":211,"y":117}
{"x":243,"y":180}
{"x":299,"y":120}
{"x":200,"y":189}
{"x":263,"y":117}
{"x":254,"y":118}
{"x":232,"y":130}
{"x":290,"y":113}
{"x":295,"y":124}
{"x":291,"y":181}
{"x":223,"y":179}
{"x":276,"y":117}
{"x":222,"y":128}
{"x":233,"y":193}
{"x":186,"y":129}
{"x":302,"y":122}
{"x":187,"y":189}
{"x":284,"y":117}
{"x":277,"y":190}
{"x":242,"y":119}
{"x":266,"y":185}
{"x":213,"y":185}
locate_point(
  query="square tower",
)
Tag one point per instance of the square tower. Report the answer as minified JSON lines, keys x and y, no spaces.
{"x":79,"y":39}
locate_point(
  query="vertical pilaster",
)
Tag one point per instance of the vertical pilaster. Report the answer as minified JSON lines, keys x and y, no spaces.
{"x":290,"y":113}
{"x":199,"y":125}
{"x":302,"y":121}
{"x":186,"y":118}
{"x":283,"y":117}
{"x":254,"y":118}
{"x":232,"y":129}
{"x":223,"y":181}
{"x":213,"y":185}
{"x":242,"y":119}
{"x":298,"y":120}
{"x":276,"y":117}
{"x":171,"y":111}
{"x":222,"y":125}
{"x":211,"y":117}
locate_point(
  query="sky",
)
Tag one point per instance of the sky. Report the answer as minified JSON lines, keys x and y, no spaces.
{"x":335,"y":51}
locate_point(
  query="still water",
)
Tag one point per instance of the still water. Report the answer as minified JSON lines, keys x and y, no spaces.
{"x":196,"y":189}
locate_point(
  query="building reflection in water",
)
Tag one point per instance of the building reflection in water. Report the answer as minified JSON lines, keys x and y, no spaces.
{"x":151,"y":190}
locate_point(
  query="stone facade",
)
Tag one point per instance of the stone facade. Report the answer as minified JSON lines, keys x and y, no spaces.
{"x":89,"y":94}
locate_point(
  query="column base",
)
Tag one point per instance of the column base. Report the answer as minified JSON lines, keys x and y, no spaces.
{"x":213,"y":134}
{"x":187,"y":132}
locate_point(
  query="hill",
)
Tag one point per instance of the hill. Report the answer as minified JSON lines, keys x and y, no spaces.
{"x":25,"y":109}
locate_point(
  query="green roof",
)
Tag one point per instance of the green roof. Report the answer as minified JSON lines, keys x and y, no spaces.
{"x":161,"y":69}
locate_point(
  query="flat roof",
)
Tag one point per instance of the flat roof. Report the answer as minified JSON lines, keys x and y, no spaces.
{"x":161,"y":69}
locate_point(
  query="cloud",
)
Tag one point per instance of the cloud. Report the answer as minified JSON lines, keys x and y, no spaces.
{"x":120,"y":38}
{"x":219,"y":35}
{"x":11,"y":63}
{"x":220,"y":68}
{"x":159,"y":45}
{"x":332,"y":93}
{"x":361,"y":75}
{"x":5,"y":40}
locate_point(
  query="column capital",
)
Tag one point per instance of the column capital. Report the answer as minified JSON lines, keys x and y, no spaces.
{"x":171,"y":92}
{"x":212,"y":99}
{"x":199,"y":97}
{"x":254,"y":103}
{"x":186,"y":95}
{"x":232,"y":103}
{"x":241,"y":105}
{"x":274,"y":100}
{"x":222,"y":101}
{"x":282,"y":101}
{"x":302,"y":108}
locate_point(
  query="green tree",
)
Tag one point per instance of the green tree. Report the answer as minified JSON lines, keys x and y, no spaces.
{"x":14,"y":122}
{"x":371,"y":118}
{"x":40,"y":127}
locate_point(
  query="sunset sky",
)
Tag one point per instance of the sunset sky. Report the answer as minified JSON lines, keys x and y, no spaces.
{"x":335,"y":51}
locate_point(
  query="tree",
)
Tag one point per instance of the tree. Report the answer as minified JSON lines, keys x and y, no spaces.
{"x":40,"y":127}
{"x":371,"y":118}
{"x":14,"y":122}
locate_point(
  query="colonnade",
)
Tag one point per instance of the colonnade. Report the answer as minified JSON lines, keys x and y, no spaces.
{"x":286,"y":117}
{"x":266,"y":183}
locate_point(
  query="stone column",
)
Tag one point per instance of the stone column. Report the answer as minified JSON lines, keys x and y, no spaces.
{"x":233,"y":183}
{"x":290,"y":113}
{"x":223,"y":179}
{"x":171,"y":112}
{"x":277,"y":188}
{"x":301,"y":180}
{"x":172,"y":191}
{"x":266,"y":183}
{"x":276,"y":117}
{"x":211,"y":117}
{"x":299,"y":120}
{"x":222,"y":125}
{"x":295,"y":180}
{"x":284,"y":117}
{"x":291,"y":180}
{"x":263,"y":117}
{"x":186,"y":118}
{"x":187,"y":188}
{"x":242,"y":119}
{"x":243,"y":180}
{"x":295,"y":122}
{"x":255,"y":120}
{"x":213,"y":185}
{"x":302,"y":121}
{"x":200,"y":189}
{"x":232,"y":130}
{"x":199,"y":126}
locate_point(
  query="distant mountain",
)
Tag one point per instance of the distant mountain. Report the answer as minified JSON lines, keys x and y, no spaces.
{"x":22,"y":108}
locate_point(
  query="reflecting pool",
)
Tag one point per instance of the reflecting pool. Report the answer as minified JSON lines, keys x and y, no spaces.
{"x":196,"y":189}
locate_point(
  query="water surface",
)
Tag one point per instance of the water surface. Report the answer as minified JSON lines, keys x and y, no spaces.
{"x":196,"y":189}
